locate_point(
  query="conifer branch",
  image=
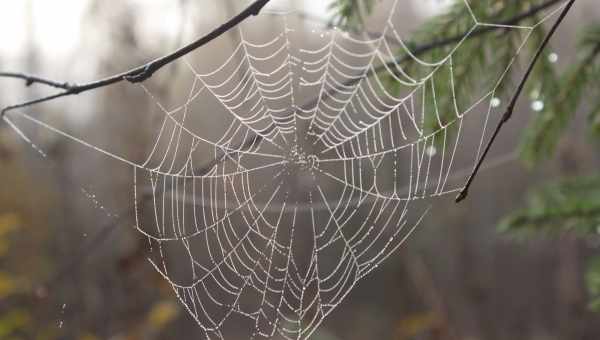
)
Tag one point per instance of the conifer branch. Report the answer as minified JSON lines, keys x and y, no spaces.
{"x":511,"y":106}
{"x":436,"y":44}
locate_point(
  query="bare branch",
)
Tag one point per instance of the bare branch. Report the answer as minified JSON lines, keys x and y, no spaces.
{"x":30,"y":80}
{"x":135,"y":75}
{"x":511,"y":106}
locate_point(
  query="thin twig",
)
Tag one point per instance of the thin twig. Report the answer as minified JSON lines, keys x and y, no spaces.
{"x":135,"y":75}
{"x":30,"y":80}
{"x":511,"y":106}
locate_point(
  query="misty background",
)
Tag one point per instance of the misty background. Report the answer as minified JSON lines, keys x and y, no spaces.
{"x":73,"y":266}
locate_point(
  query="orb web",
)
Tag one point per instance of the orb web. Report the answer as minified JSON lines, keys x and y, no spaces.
{"x":299,"y":202}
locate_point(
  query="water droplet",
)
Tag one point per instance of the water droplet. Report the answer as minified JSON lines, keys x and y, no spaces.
{"x":431,"y":151}
{"x":553,"y":57}
{"x":537,"y":105}
{"x":496,"y":102}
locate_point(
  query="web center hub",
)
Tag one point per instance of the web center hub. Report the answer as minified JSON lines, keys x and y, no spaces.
{"x":302,"y":160}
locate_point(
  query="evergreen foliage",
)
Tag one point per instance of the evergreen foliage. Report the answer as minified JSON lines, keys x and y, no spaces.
{"x":570,"y":205}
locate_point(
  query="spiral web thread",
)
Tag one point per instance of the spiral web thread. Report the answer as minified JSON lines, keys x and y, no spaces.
{"x":245,"y":248}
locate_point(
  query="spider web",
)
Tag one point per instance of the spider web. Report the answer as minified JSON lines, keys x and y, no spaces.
{"x":301,"y":201}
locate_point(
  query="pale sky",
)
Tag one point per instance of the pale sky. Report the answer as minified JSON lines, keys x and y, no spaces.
{"x":56,"y":25}
{"x":53,"y":24}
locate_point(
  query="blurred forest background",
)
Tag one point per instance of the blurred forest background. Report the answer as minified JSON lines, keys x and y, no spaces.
{"x":72,"y":266}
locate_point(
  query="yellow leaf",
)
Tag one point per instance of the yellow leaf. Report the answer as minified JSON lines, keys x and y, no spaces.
{"x":12,"y":321}
{"x":415,"y":324}
{"x":162,"y":313}
{"x":4,"y":245}
{"x":8,"y":223}
{"x":8,"y":285}
{"x":88,"y":336}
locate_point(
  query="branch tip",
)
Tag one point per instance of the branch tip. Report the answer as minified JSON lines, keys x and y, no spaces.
{"x":258,"y":6}
{"x":511,"y":107}
{"x":461,"y":196}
